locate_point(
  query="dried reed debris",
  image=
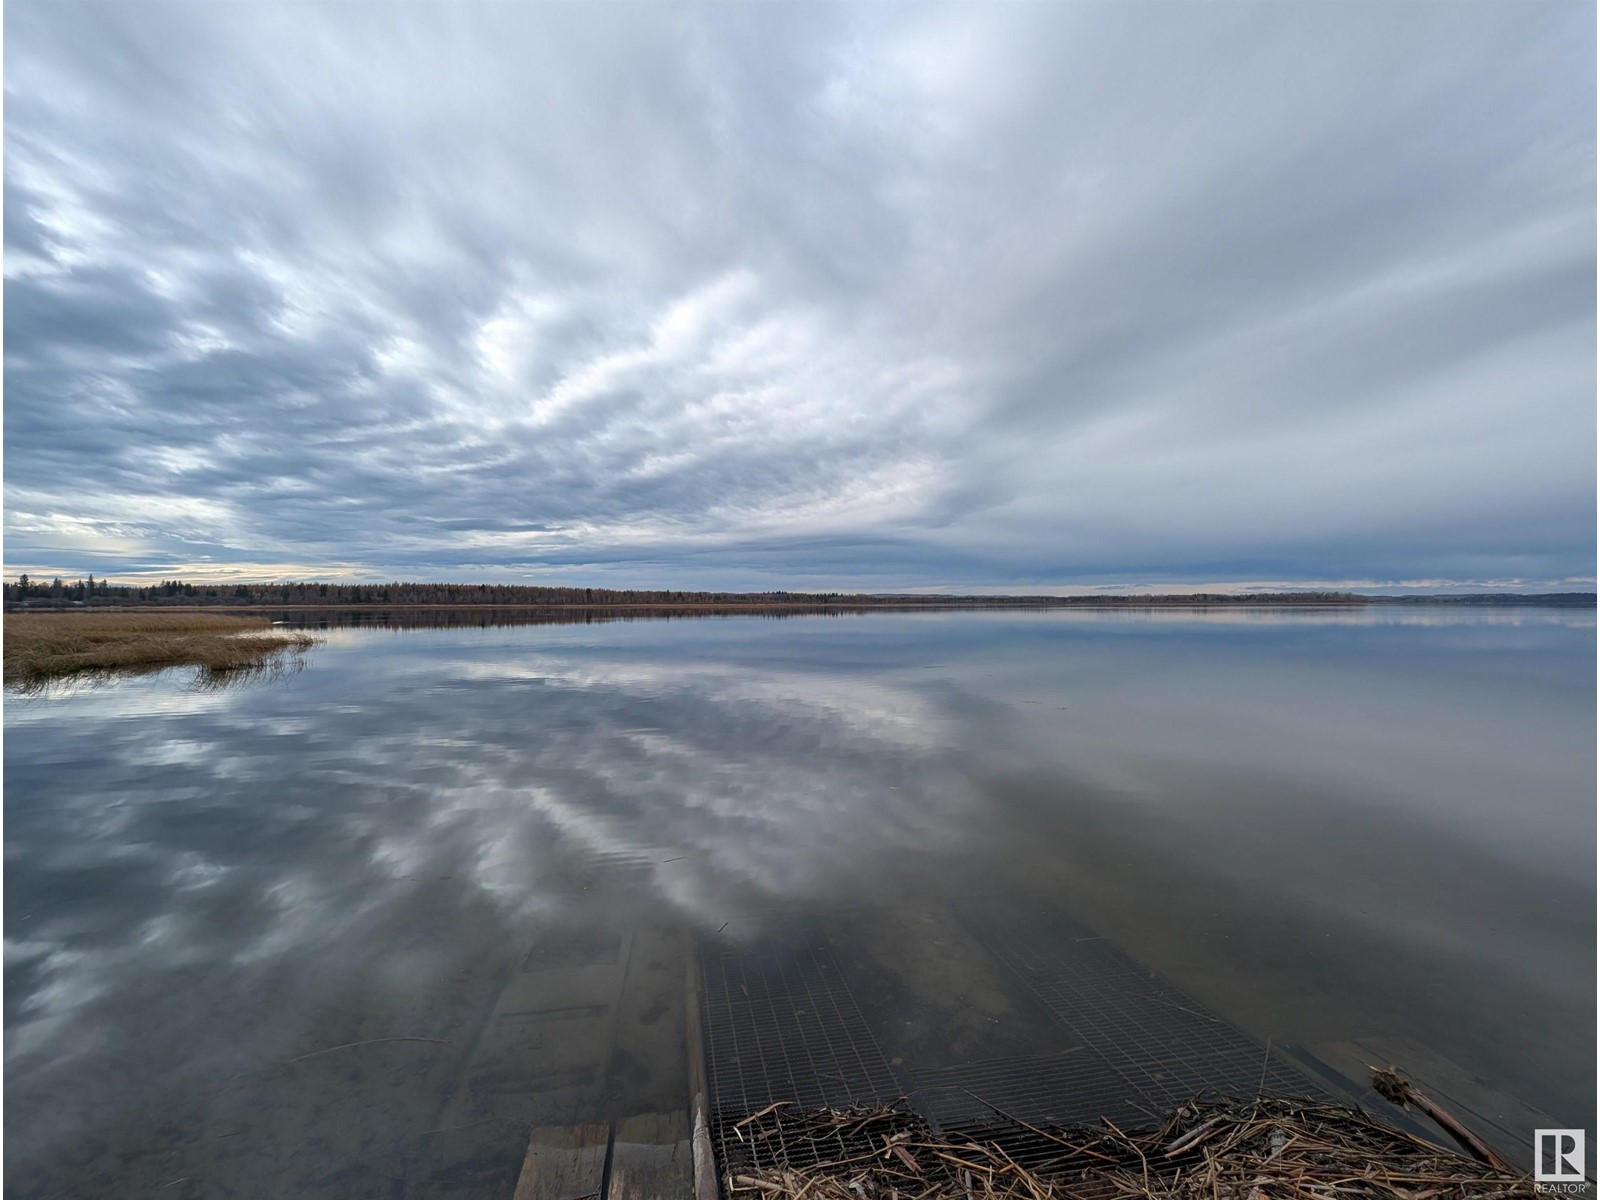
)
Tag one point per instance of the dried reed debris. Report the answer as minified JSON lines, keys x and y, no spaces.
{"x":1266,"y":1149}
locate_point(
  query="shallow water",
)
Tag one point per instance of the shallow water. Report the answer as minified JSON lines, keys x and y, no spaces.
{"x":258,"y":940}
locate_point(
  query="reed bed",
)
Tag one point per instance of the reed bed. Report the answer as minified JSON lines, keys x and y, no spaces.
{"x":1265,"y":1149}
{"x":43,"y":647}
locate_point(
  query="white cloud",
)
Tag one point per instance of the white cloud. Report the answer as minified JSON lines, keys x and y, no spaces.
{"x":880,"y":297}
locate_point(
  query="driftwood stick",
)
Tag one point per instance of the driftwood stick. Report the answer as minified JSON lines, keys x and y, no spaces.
{"x":1180,"y":1144}
{"x":744,"y":1183}
{"x":1389,"y":1085}
{"x":756,"y":1116}
{"x":368,"y":1042}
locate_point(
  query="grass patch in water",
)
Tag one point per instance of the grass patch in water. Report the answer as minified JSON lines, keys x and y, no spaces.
{"x":40,"y":647}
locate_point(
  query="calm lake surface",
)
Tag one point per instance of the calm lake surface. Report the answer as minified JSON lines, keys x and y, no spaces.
{"x":254,"y":936}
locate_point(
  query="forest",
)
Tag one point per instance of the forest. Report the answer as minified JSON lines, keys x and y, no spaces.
{"x":89,"y":592}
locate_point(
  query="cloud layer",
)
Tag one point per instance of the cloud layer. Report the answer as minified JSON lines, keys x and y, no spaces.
{"x":881,"y":297}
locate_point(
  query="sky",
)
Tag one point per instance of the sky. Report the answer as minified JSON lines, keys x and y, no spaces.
{"x":1033,"y":297}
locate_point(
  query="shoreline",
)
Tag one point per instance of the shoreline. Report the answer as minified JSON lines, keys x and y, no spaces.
{"x":1522,"y":600}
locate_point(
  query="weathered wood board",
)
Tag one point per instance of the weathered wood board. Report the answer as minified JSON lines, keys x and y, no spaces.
{"x":651,"y":1158}
{"x":564,"y":1162}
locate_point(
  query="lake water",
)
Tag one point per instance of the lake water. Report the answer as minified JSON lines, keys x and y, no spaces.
{"x":259,"y":939}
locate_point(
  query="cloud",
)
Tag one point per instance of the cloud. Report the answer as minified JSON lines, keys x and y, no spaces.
{"x":911,"y":297}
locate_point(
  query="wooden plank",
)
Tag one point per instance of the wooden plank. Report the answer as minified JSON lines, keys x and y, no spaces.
{"x":651,"y":1158}
{"x":704,"y":1160}
{"x":564,"y":1162}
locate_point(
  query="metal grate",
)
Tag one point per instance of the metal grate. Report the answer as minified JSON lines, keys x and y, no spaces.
{"x":780,"y":1024}
{"x":1162,"y":1042}
{"x":1057,"y":1089}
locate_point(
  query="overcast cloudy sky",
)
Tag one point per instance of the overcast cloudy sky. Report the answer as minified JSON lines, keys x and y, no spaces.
{"x":766,"y":295}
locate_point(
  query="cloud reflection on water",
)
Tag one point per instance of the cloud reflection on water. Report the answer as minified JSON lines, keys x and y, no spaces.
{"x":244,"y":835}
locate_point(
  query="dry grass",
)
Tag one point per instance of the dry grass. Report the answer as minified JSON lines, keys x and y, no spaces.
{"x":40,"y":647}
{"x":1269,"y":1149}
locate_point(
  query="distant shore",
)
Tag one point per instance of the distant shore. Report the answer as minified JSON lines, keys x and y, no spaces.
{"x":836,"y":602}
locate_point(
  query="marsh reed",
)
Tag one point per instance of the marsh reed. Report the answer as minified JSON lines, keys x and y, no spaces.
{"x":41,"y":647}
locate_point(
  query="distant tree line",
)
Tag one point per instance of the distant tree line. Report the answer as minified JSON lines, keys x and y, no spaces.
{"x":1557,"y":599}
{"x":78,"y":591}
{"x":93,"y":592}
